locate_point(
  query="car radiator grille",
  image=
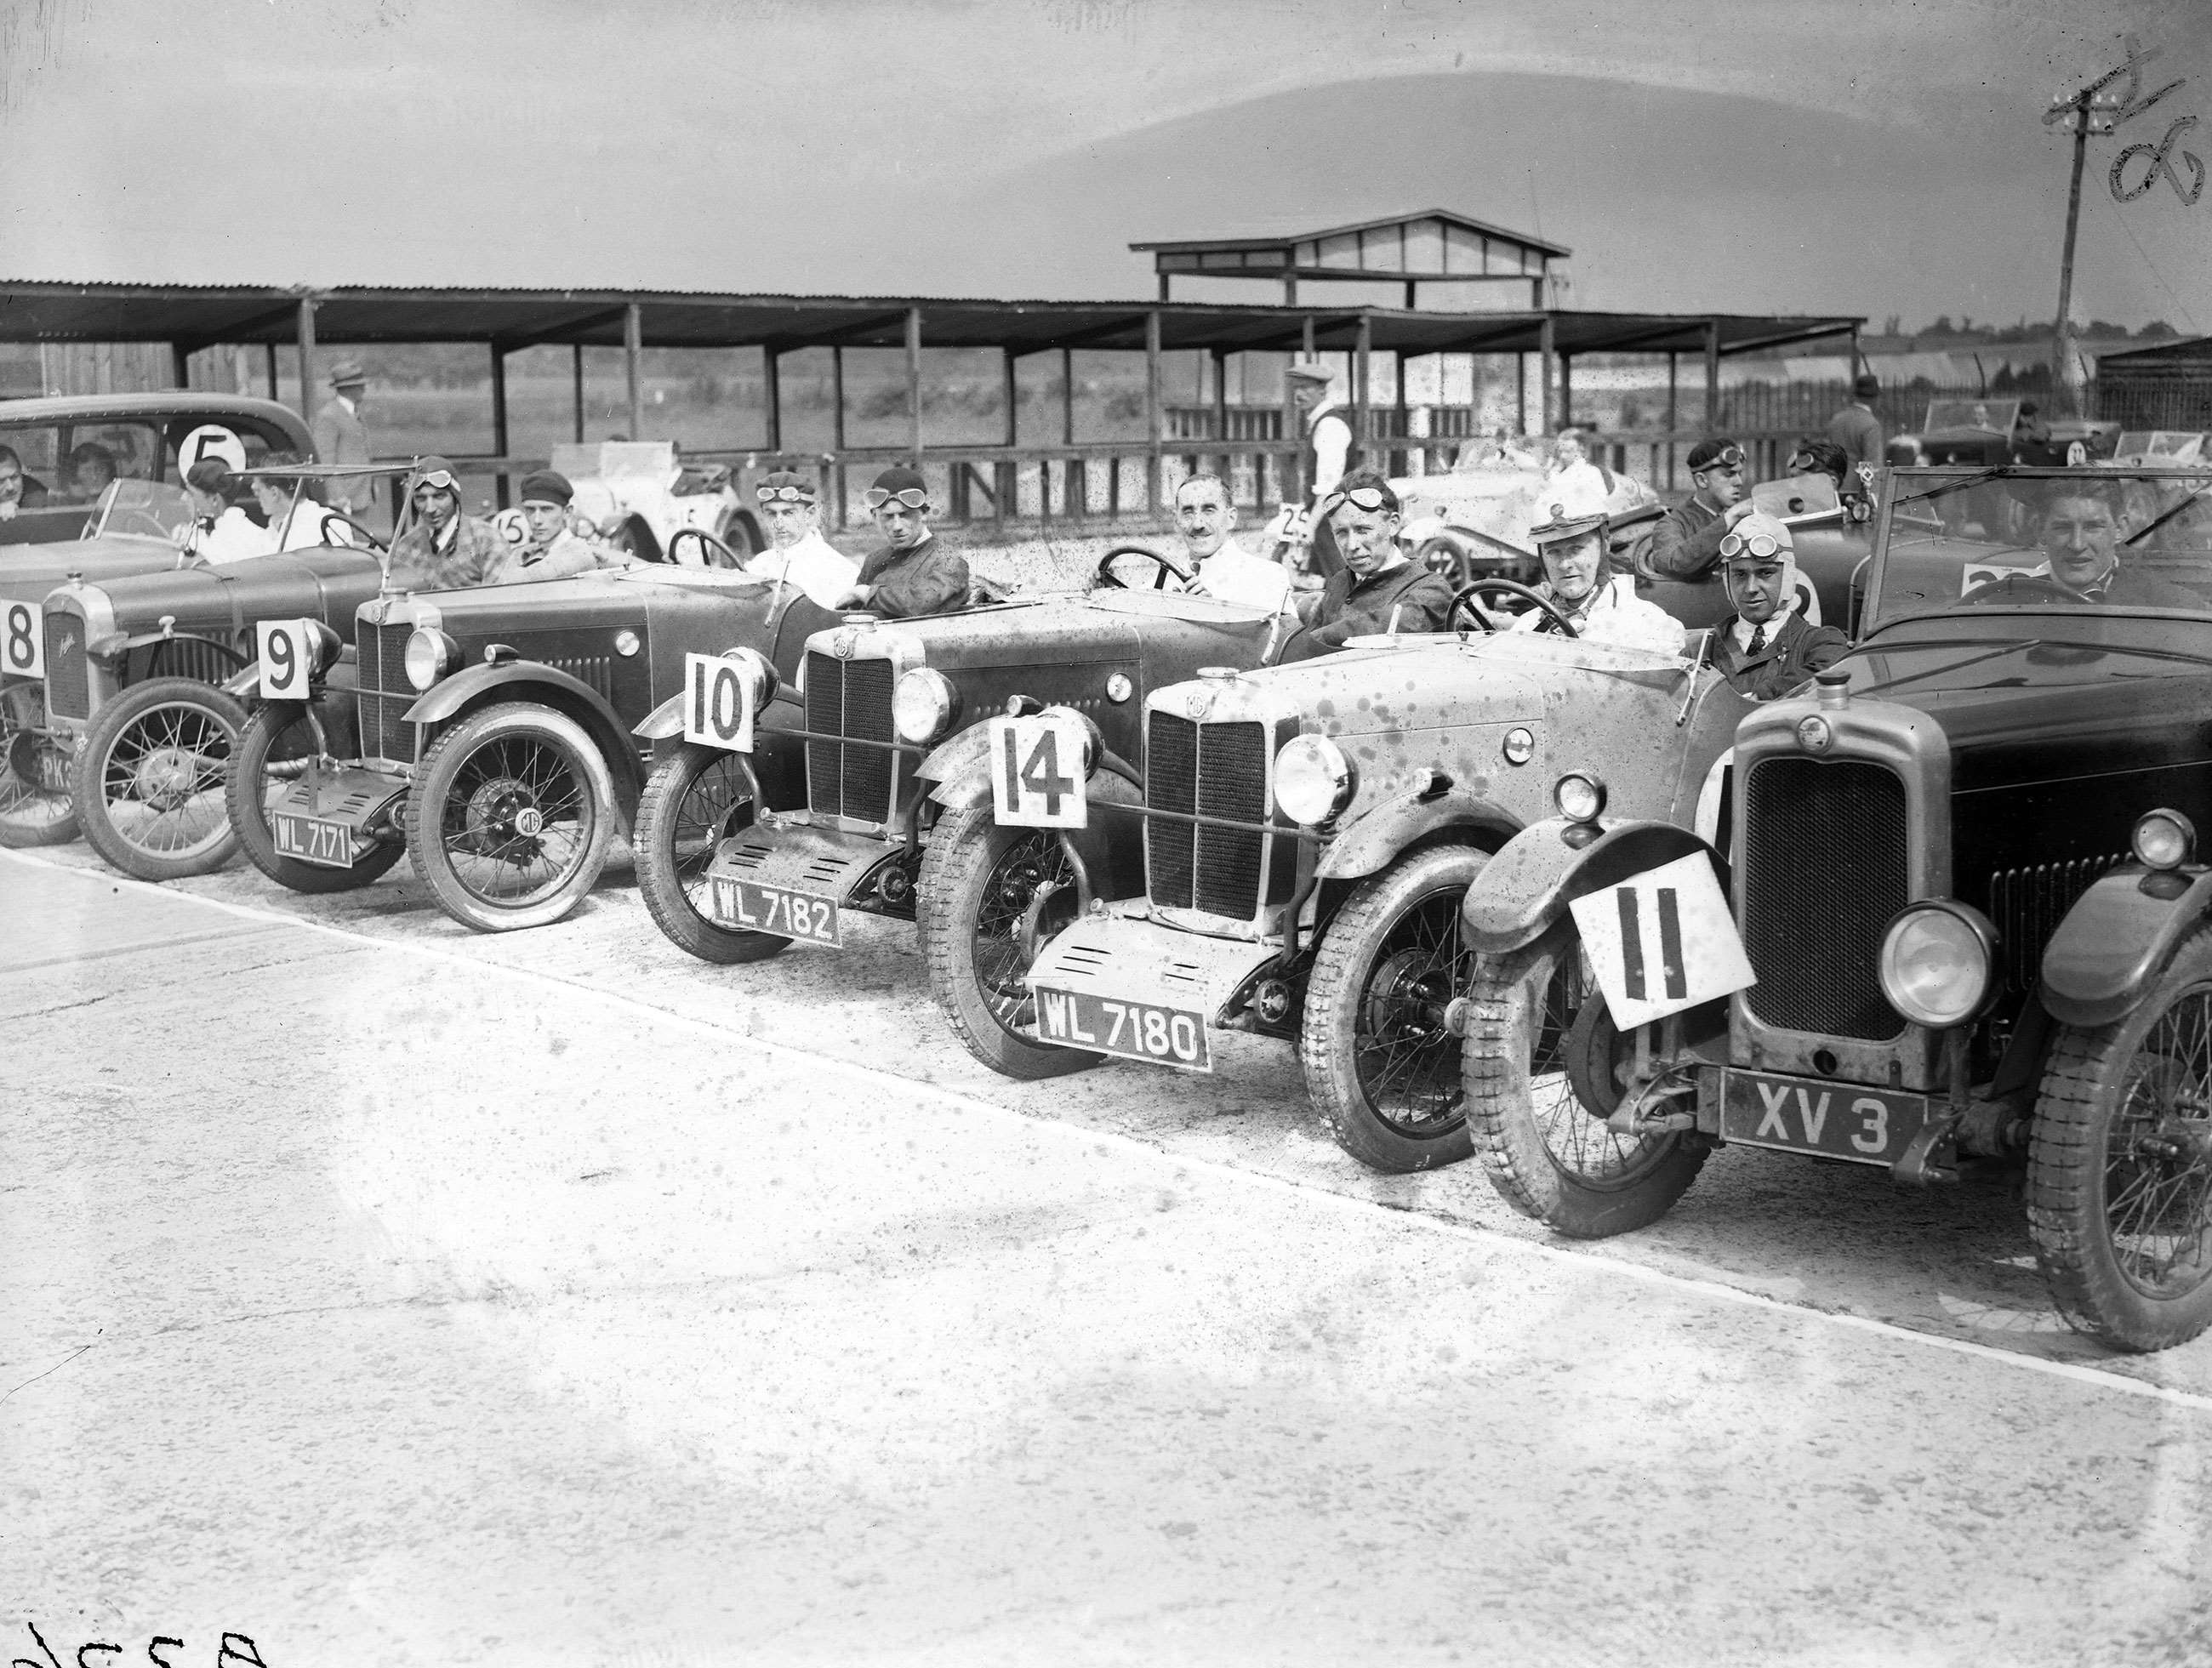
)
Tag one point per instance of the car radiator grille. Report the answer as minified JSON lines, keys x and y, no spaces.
{"x":1823,"y":869}
{"x":69,"y":686}
{"x":1212,"y":770}
{"x":190,"y":657}
{"x":380,"y":654}
{"x":2027,"y":904}
{"x":850,"y":698}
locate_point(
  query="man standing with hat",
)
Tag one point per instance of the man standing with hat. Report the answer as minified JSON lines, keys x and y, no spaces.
{"x":796,"y":553}
{"x":1687,"y":544}
{"x":913,"y":573}
{"x":554,"y":550}
{"x":1766,"y":649}
{"x":341,"y":437}
{"x":1856,"y":428}
{"x":1583,"y":589}
{"x":1328,"y":434}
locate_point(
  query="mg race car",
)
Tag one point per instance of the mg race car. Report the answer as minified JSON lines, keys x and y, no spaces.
{"x":1959,"y":921}
{"x":639,"y":493}
{"x":1307,"y":835}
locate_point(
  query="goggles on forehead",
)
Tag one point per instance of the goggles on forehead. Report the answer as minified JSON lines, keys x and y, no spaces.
{"x":784,"y":495}
{"x":1760,"y":547}
{"x":913,"y":498}
{"x":441,"y":478}
{"x":1731,"y":459}
{"x":1360,"y":498}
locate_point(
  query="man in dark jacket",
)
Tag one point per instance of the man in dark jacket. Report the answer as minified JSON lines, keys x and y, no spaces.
{"x":913,"y":573}
{"x":1687,"y":545}
{"x":1856,"y":428}
{"x":1762,"y":651}
{"x":1380,"y":589}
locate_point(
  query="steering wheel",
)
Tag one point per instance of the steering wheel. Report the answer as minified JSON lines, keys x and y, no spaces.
{"x":1467,"y":593}
{"x":1105,"y":576}
{"x":2016,"y":587}
{"x":368,"y":541}
{"x":712,"y":552}
{"x":131,"y":518}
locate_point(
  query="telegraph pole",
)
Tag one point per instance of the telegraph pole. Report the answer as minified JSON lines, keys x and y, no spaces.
{"x":2085,"y":111}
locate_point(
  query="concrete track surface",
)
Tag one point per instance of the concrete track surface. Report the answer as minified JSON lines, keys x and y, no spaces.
{"x":380,"y":1293}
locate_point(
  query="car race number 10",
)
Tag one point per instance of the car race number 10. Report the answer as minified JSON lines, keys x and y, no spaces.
{"x":288,"y":658}
{"x":22,"y":640}
{"x":1662,"y":942}
{"x":1037,"y":772}
{"x":717,"y":703}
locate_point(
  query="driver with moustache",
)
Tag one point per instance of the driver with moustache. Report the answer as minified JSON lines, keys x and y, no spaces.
{"x":2082,"y":561}
{"x":1582,"y":587}
{"x":1204,"y":516}
{"x":1767,"y":650}
{"x":1380,"y":589}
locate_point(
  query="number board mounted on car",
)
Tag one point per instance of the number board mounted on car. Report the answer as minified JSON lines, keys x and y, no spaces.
{"x":717,"y":703}
{"x":1037,"y":772}
{"x":287,"y":648}
{"x":1662,"y":942}
{"x":22,"y":640}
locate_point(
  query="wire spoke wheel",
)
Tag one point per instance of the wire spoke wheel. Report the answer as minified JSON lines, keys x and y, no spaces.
{"x":37,"y":807}
{"x":1029,"y":894}
{"x":280,"y":743}
{"x":150,"y":779}
{"x":696,"y":798}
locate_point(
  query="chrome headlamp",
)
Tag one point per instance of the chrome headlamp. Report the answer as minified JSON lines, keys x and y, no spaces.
{"x":1579,"y":796}
{"x":1313,"y":780}
{"x":2163,"y":839}
{"x":924,"y":704}
{"x":1939,"y":963}
{"x":759,"y":670}
{"x":431,"y":655}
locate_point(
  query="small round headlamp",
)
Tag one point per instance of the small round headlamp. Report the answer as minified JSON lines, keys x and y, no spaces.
{"x":1313,"y":779}
{"x":924,"y":704}
{"x":1094,"y":743}
{"x":1580,"y":797}
{"x":1938,"y":962}
{"x":431,"y":655}
{"x":1520,"y":747}
{"x":2163,"y":839}
{"x":1813,"y":734}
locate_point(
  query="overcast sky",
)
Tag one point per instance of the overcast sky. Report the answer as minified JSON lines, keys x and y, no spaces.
{"x":1848,"y":155}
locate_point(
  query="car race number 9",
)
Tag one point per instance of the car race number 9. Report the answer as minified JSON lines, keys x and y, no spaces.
{"x":1037,"y":771}
{"x":717,"y":703}
{"x":1662,"y":942}
{"x":22,"y":640}
{"x":288,"y":658}
{"x":210,"y":439}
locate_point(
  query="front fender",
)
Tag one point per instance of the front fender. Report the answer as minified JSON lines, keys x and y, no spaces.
{"x":662,"y":722}
{"x":960,"y":765}
{"x":1379,"y":834}
{"x":244,"y":684}
{"x":1528,"y":882}
{"x":2117,"y":939}
{"x":530,"y":680}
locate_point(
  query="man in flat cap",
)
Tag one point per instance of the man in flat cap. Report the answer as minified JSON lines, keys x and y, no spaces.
{"x":1327,"y":434}
{"x":1379,"y":589}
{"x":442,"y":549}
{"x":1765,"y":649}
{"x":1582,"y":588}
{"x":553,"y":550}
{"x":1687,"y":544}
{"x":913,"y":573}
{"x":341,"y":437}
{"x":791,"y":512}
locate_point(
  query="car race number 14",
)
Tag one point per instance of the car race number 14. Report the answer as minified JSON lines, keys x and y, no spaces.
{"x":1662,"y":942}
{"x":717,"y":703}
{"x":288,"y":658}
{"x":1037,"y":772}
{"x":22,"y":640}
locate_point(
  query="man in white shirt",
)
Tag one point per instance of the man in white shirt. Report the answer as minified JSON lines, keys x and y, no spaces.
{"x":553,"y":549}
{"x":297,"y":521}
{"x":790,"y":512}
{"x":1203,"y":517}
{"x":220,"y":532}
{"x":1584,"y":590}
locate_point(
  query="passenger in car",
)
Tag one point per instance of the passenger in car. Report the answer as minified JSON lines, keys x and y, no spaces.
{"x":1579,"y":583}
{"x":1205,"y":516}
{"x":790,"y":507}
{"x":18,"y":490}
{"x":92,"y":469}
{"x":443,"y":549}
{"x":554,"y":550}
{"x":1766,"y":649}
{"x":1381,"y":588}
{"x":1687,"y":544}
{"x":301,"y":526}
{"x":915,"y":573}
{"x":221,"y":531}
{"x":2080,"y":535}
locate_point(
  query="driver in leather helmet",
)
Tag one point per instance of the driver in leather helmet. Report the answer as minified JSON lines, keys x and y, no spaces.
{"x":1582,"y":587}
{"x":1767,"y":649}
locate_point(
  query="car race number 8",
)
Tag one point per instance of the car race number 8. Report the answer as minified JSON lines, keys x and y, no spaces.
{"x":288,"y":658}
{"x":22,"y":640}
{"x":717,"y":703}
{"x":1662,"y":942}
{"x":1036,"y":771}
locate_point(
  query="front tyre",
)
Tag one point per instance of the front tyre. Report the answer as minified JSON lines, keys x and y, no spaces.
{"x":696,"y":799}
{"x":277,"y":741}
{"x":150,"y":780}
{"x":987,"y":898}
{"x":36,"y":805}
{"x":2119,"y":1170}
{"x":508,"y":822}
{"x":1546,"y":1147}
{"x":1380,"y":1064}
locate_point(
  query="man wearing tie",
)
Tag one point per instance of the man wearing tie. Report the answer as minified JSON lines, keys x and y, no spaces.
{"x":1762,"y":651}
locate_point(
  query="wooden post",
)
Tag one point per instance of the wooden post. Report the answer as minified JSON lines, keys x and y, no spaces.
{"x":837,"y":424}
{"x":1153,"y":412}
{"x":1006,"y":476}
{"x":1163,"y":286}
{"x":499,"y":420}
{"x":1546,"y":351}
{"x":1404,"y":424}
{"x":1712,"y":376}
{"x":1221,"y":420}
{"x":578,"y":353}
{"x":1674,"y":411}
{"x":1567,"y":390}
{"x":633,"y":356}
{"x":271,"y":349}
{"x":1075,"y":480}
{"x":772,"y":393}
{"x":180,"y":365}
{"x":1520,"y":393}
{"x":1289,"y":290}
{"x":307,"y":341}
{"x":1362,"y":364}
{"x":1412,"y":296}
{"x":913,"y":385}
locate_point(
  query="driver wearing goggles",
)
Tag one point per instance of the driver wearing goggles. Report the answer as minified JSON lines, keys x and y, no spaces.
{"x":1687,"y":545}
{"x":1765,"y":649}
{"x":443,"y":549}
{"x":913,"y":573}
{"x":1380,"y":588}
{"x":790,"y":512}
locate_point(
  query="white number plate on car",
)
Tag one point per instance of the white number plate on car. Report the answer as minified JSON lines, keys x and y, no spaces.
{"x":752,"y":908}
{"x":311,"y":840}
{"x":1132,"y":1030}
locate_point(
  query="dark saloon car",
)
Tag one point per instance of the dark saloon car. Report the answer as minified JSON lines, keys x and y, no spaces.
{"x":1960,"y":922}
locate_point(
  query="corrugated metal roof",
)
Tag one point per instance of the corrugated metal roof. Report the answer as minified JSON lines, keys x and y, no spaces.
{"x":1280,"y":237}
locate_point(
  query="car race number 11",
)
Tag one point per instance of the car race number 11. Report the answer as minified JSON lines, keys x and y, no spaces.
{"x":288,"y":658}
{"x":22,"y":640}
{"x":1037,"y":771}
{"x":1662,"y":942}
{"x":717,"y":703}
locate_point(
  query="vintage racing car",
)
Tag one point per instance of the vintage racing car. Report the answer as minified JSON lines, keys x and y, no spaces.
{"x":1960,"y":921}
{"x":641,"y":493}
{"x":1307,"y":835}
{"x":494,"y":738}
{"x":1475,"y":520}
